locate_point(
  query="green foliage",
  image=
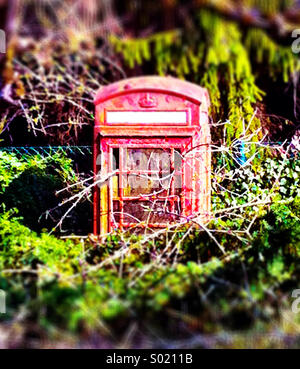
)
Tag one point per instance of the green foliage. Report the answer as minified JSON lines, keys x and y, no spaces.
{"x":82,"y":286}
{"x":275,"y":177}
{"x":10,"y":168}
{"x":20,"y":247}
{"x":219,"y":56}
{"x":29,"y":183}
{"x":180,"y":276}
{"x":236,"y":272}
{"x":279,"y":61}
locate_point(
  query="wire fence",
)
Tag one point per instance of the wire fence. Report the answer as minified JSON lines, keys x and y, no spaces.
{"x":25,"y":152}
{"x":47,"y":150}
{"x":85,"y":152}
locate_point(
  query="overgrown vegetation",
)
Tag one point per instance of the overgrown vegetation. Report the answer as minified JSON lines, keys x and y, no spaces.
{"x":178,"y":276}
{"x":226,"y":71}
{"x":33,"y":184}
{"x":192,"y":281}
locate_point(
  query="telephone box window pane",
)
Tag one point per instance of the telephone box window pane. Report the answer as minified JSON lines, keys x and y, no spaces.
{"x":145,"y":211}
{"x":177,"y":207}
{"x":116,"y":159}
{"x":143,"y":172}
{"x":148,"y":159}
{"x":116,"y":211}
{"x":177,"y":160}
{"x":177,"y":184}
{"x":136,"y":185}
{"x":115,"y":186}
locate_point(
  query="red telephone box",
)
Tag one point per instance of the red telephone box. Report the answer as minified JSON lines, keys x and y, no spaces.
{"x":151,"y":154}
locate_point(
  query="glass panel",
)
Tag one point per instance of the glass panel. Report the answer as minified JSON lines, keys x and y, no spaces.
{"x":178,"y":169}
{"x":177,"y":184}
{"x":138,"y":211}
{"x":177,"y":208}
{"x":135,"y":185}
{"x":177,"y":160}
{"x":146,"y":211}
{"x":115,"y":186}
{"x":116,"y":211}
{"x":148,"y":159}
{"x":116,"y":158}
{"x":163,"y":209}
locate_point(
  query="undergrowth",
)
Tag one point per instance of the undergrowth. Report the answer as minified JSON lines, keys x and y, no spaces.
{"x":179,"y":276}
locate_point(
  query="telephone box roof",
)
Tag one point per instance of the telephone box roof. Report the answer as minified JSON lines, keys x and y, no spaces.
{"x":166,"y":85}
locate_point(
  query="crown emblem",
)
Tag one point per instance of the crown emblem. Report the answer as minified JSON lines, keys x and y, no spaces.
{"x":148,"y":102}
